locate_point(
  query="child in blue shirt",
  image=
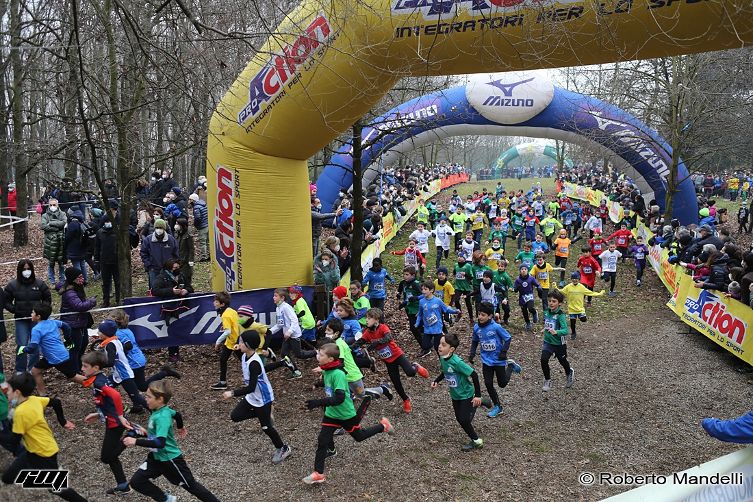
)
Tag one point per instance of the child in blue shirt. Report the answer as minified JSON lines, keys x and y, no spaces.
{"x":375,"y":279}
{"x":495,"y":342}
{"x":430,"y":310}
{"x":45,"y":338}
{"x":539,"y":246}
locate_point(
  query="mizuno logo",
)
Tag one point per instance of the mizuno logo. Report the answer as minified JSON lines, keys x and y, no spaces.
{"x":508,"y":88}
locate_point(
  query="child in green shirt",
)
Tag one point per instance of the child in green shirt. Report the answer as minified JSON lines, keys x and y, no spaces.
{"x":464,"y":386}
{"x":555,"y":340}
{"x":165,"y":457}
{"x":339,"y":411}
{"x":504,"y":284}
{"x":463,"y":284}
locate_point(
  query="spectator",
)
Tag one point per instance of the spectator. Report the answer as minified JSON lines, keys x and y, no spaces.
{"x":201,"y":223}
{"x":75,"y":246}
{"x":326,"y":273}
{"x":106,"y":255}
{"x":171,"y":283}
{"x":156,"y":249}
{"x":53,"y":225}
{"x":74,"y":310}
{"x":185,"y":247}
{"x":316,"y":224}
{"x":718,"y":276}
{"x":706,"y":237}
{"x":12,"y":198}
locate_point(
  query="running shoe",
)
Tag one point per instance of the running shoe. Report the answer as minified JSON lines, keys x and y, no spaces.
{"x":219,"y":386}
{"x":529,"y":326}
{"x":386,"y":391}
{"x":171,"y":498}
{"x":272,"y":356}
{"x":340,"y":432}
{"x":515,"y":366}
{"x":547,"y":386}
{"x":281,"y":454}
{"x":331,"y":453}
{"x":612,"y":294}
{"x":570,"y":379}
{"x":121,"y":489}
{"x":388,"y":428}
{"x":535,"y":316}
{"x":637,"y":282}
{"x":286,"y":360}
{"x":295,"y":375}
{"x":473,"y":445}
{"x":421,"y":371}
{"x":407,"y":407}
{"x":170,"y":371}
{"x":314,"y":478}
{"x":424,"y":353}
{"x":494,"y":411}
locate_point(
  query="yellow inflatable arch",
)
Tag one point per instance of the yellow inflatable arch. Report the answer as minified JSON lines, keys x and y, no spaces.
{"x":331,"y":61}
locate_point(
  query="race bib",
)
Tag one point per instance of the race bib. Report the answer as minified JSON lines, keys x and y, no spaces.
{"x":432,"y":319}
{"x":379,"y":286}
{"x":543,"y":276}
{"x":550,"y":324}
{"x":587,"y":270}
{"x":489,"y":346}
{"x":281,"y":321}
{"x":385,"y":352}
{"x":439,"y":294}
{"x":639,"y":256}
{"x":597,"y":247}
{"x":452,"y":380}
{"x":563,"y":249}
{"x":528,"y":298}
{"x":479,"y":274}
{"x":460,"y":276}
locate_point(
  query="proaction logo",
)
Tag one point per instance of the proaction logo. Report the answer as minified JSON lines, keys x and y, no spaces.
{"x":224,"y":226}
{"x":511,"y":98}
{"x":714,"y":313}
{"x":281,"y":68}
{"x":442,"y":9}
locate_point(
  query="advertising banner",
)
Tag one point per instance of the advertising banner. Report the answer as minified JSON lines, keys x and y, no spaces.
{"x":198,"y":323}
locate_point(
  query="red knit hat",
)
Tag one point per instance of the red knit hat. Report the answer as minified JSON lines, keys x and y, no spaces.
{"x":340,"y":291}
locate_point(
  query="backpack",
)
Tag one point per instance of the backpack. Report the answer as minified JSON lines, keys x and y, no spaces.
{"x":88,"y":233}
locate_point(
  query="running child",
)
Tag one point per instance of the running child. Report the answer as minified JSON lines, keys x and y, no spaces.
{"x":360,"y":301}
{"x":229,"y":337}
{"x":550,"y":225}
{"x":334,"y":334}
{"x":464,"y":387}
{"x":30,"y":426}
{"x":458,"y":219}
{"x":479,"y":267}
{"x":562,"y":253}
{"x":379,"y":338}
{"x":504,"y":284}
{"x":589,"y":267}
{"x":478,"y":220}
{"x":257,"y":394}
{"x":165,"y":457}
{"x":45,"y":339}
{"x":247,"y":321}
{"x":524,"y":285}
{"x":497,"y":233}
{"x":494,"y":341}
{"x":526,"y":257}
{"x":444,"y":290}
{"x":287,"y":323}
{"x":430,"y":316}
{"x":412,"y":257}
{"x":622,"y":240}
{"x":302,"y":310}
{"x":442,"y":234}
{"x":468,"y":246}
{"x":110,"y":412}
{"x":494,"y":254}
{"x":339,"y":411}
{"x":639,"y":252}
{"x":574,"y":293}
{"x":530,"y":221}
{"x":539,"y":246}
{"x":122,"y":374}
{"x":136,"y":358}
{"x":421,"y":236}
{"x":542,"y":272}
{"x":409,"y":294}
{"x":597,"y":244}
{"x":555,"y":340}
{"x":375,"y":280}
{"x":463,"y":272}
{"x":609,"y":266}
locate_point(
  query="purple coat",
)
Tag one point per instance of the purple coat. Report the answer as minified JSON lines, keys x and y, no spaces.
{"x":71,"y":302}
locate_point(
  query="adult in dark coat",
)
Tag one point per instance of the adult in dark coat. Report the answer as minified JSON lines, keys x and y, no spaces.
{"x":74,"y":310}
{"x":20,"y":296}
{"x":156,"y":249}
{"x":75,"y":246}
{"x":106,"y":255}
{"x":172,"y":283}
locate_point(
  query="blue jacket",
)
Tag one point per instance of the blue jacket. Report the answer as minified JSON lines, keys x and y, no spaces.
{"x":494,"y":340}
{"x":430,"y":315}
{"x":154,"y":253}
{"x":136,"y":358}
{"x":200,"y":214}
{"x":74,"y":249}
{"x":739,"y":430}
{"x":375,"y":281}
{"x":708,"y":220}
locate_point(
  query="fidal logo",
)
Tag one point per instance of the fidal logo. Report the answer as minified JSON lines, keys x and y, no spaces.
{"x":510,"y":98}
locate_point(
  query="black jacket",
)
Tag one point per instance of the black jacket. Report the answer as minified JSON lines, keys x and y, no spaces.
{"x":106,"y":248}
{"x":21,"y":295}
{"x":163,"y":286}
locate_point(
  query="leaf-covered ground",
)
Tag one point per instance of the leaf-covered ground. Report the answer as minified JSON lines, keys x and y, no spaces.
{"x":642,"y":385}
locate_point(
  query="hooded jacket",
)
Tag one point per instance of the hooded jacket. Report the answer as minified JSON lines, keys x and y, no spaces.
{"x":74,"y":300}
{"x":21,"y":294}
{"x":53,"y":225}
{"x":74,"y":248}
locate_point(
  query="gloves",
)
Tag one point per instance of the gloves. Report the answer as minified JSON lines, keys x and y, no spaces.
{"x":402,"y":305}
{"x":470,"y":361}
{"x":21,"y":350}
{"x":502,"y":355}
{"x":311,"y":404}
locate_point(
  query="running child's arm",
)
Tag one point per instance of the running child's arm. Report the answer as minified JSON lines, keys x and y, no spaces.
{"x":399,"y":253}
{"x":178,"y":420}
{"x":221,"y":339}
{"x":389,"y":278}
{"x":448,"y":310}
{"x":112,"y":354}
{"x":504,"y":339}
{"x":337,"y":398}
{"x":476,"y":384}
{"x":739,"y":430}
{"x":421,"y":257}
{"x":474,"y":346}
{"x":57,"y":406}
{"x":254,"y":370}
{"x":439,"y":378}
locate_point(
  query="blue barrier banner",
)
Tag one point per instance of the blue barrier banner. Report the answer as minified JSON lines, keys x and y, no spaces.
{"x":198,"y":322}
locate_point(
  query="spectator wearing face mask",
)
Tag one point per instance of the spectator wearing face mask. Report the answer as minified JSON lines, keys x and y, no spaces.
{"x":106,"y":254}
{"x":201,"y":222}
{"x":156,"y":249}
{"x":20,"y":296}
{"x":185,"y":247}
{"x":317,"y":218}
{"x":169,"y":283}
{"x":53,"y":225}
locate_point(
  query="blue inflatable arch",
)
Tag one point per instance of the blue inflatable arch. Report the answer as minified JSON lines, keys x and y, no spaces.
{"x":516,"y":104}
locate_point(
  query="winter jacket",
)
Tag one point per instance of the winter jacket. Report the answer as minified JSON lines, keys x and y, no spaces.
{"x":739,"y":430}
{"x":329,"y":276}
{"x":317,"y":219}
{"x":154,"y":253}
{"x":12,"y":201}
{"x":719,"y":277}
{"x":200,"y":214}
{"x":697,"y":247}
{"x":106,"y":247}
{"x":71,"y":301}
{"x":166,"y":282}
{"x":53,"y":225}
{"x":21,"y":295}
{"x":74,"y":248}
{"x":185,"y":247}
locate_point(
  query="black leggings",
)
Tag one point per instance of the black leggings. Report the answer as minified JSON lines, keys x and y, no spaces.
{"x":225,"y":354}
{"x":142,"y":383}
{"x":640,"y":266}
{"x":561,"y":261}
{"x":560,"y":352}
{"x":26,"y":460}
{"x":574,"y":322}
{"x":244,"y":410}
{"x":528,"y":307}
{"x":441,"y":252}
{"x":176,"y":471}
{"x":112,"y":447}
{"x":464,"y":413}
{"x":468,"y":301}
{"x":129,"y":385}
{"x":502,"y":373}
{"x":326,"y":439}
{"x":612,"y":276}
{"x":416,"y":332}
{"x":505,"y":308}
{"x":393,"y":370}
{"x":293,"y":345}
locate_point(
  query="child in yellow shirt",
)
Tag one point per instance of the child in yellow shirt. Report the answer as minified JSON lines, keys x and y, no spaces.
{"x":229,"y":338}
{"x":542,"y":271}
{"x":575,"y":292}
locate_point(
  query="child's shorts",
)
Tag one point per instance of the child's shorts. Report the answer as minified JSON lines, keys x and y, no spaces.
{"x":67,"y":367}
{"x":356,"y":388}
{"x":582,"y":315}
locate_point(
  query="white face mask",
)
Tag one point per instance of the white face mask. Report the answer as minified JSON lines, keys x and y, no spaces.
{"x":53,"y":208}
{"x":337,"y":248}
{"x":164,"y":176}
{"x":325,"y":263}
{"x":176,"y":228}
{"x":26,"y":274}
{"x":159,"y":232}
{"x":108,"y":225}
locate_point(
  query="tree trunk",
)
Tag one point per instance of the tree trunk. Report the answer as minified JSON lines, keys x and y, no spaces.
{"x":20,"y":230}
{"x":356,"y":244}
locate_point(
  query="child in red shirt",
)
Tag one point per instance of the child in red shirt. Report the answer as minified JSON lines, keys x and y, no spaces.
{"x":413,"y":257}
{"x":598,"y":244}
{"x":622,"y":239}
{"x":589,"y":267}
{"x":380,"y":340}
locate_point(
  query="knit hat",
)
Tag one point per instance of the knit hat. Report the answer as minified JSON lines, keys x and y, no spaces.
{"x":296,"y":289}
{"x":245,"y":311}
{"x":340,"y":291}
{"x":194,"y":197}
{"x":108,"y":328}
{"x":312,"y":187}
{"x":251,"y":338}
{"x":442,"y":270}
{"x":704,"y":212}
{"x":71,"y":274}
{"x":575,"y":275}
{"x":160,"y":223}
{"x":177,"y":190}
